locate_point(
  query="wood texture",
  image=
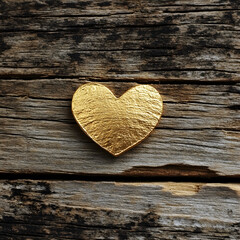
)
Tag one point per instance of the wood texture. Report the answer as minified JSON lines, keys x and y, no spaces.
{"x":188,"y":50}
{"x":48,"y":48}
{"x":199,"y":127}
{"x":140,"y":40}
{"x":106,"y":210}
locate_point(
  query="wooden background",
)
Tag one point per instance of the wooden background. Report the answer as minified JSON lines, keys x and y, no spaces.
{"x":180,"y":183}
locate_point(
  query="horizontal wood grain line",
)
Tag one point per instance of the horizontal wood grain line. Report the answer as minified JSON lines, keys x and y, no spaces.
{"x":201,"y":10}
{"x":143,"y":174}
{"x":153,"y":81}
{"x":93,"y":210}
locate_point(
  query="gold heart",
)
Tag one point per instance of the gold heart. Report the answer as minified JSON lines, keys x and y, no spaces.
{"x":117,"y":124}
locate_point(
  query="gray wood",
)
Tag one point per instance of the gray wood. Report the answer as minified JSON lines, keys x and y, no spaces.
{"x":47,"y":45}
{"x":189,"y":50}
{"x":141,"y":40}
{"x":107,"y":210}
{"x":198,"y":134}
{"x":185,"y":106}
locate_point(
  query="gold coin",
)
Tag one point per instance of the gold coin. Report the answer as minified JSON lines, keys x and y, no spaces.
{"x":117,"y":124}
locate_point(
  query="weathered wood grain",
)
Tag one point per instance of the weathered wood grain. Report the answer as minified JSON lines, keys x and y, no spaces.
{"x":107,"y":210}
{"x":185,"y":106}
{"x":199,"y":131}
{"x":141,"y":40}
{"x":189,"y":51}
{"x":48,"y":48}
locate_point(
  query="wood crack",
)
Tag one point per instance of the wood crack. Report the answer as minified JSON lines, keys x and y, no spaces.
{"x":171,"y":172}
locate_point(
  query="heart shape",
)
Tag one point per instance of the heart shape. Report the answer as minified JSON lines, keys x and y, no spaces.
{"x":117,"y":124}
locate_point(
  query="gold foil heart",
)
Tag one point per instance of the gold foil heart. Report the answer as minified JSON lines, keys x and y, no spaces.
{"x":117,"y":124}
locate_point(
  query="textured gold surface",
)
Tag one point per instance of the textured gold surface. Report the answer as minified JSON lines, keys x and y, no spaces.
{"x":117,"y":124}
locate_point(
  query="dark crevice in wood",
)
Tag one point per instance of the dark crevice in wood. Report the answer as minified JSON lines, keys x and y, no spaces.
{"x":177,"y":170}
{"x":36,"y":77}
{"x":76,"y":28}
{"x":86,"y":226}
{"x":122,"y":50}
{"x":189,"y":69}
{"x":124,"y":80}
{"x":36,"y":98}
{"x":17,"y":235}
{"x":166,"y":173}
{"x":202,"y":10}
{"x":70,"y":16}
{"x":234,"y":107}
{"x":196,"y":102}
{"x":199,"y":129}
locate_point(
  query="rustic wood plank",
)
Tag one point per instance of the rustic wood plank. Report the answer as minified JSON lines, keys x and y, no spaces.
{"x":108,"y":210}
{"x":33,"y":146}
{"x":48,"y":48}
{"x":140,"y":40}
{"x":27,"y":8}
{"x":185,"y":106}
{"x":197,"y":136}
